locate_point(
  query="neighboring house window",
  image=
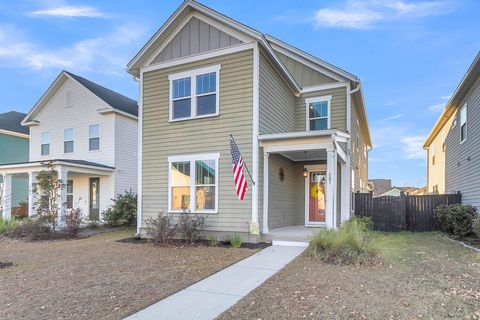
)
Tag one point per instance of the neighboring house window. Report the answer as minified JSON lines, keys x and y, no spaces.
{"x":94,"y":137}
{"x":195,"y":93}
{"x":193,"y":183}
{"x":45,"y":143}
{"x":435,"y":189}
{"x":68,"y":140}
{"x":318,"y":113}
{"x":69,"y":203}
{"x":463,"y":123}
{"x":353,"y":179}
{"x":433,"y":154}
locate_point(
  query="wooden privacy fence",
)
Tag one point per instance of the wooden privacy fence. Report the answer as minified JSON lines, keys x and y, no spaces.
{"x":407,"y":212}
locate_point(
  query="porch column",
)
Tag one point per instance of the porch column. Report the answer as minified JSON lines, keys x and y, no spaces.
{"x":31,"y":195}
{"x":265,"y":191}
{"x":345,"y":189}
{"x":6,"y":197}
{"x":331,"y":188}
{"x":62,"y":194}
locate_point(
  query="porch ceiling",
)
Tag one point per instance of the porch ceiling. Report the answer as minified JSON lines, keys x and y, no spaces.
{"x":300,"y":155}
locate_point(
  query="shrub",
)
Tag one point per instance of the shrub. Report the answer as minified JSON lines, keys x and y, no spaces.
{"x":35,"y":228}
{"x":456,"y":219}
{"x":236,"y":241}
{"x":213,"y":240}
{"x":7,"y":225}
{"x":352,"y":243}
{"x":364,"y":223}
{"x":73,"y":220}
{"x":161,"y":229}
{"x":190,"y":226}
{"x":476,"y":227}
{"x":123,"y":209}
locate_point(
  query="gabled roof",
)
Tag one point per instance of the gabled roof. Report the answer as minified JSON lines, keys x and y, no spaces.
{"x":468,"y":80}
{"x":112,"y":99}
{"x":12,"y":122}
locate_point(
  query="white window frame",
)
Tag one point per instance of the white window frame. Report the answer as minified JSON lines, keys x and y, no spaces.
{"x":99,"y":138}
{"x":73,"y":140}
{"x":49,"y":143}
{"x":192,"y":74}
{"x":465,"y":123}
{"x":328,"y":99}
{"x":192,"y":158}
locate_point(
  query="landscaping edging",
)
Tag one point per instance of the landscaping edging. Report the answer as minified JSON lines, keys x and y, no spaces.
{"x":464,"y":244}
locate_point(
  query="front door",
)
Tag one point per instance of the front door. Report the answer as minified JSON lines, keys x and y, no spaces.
{"x":94,"y":199}
{"x":316,"y":197}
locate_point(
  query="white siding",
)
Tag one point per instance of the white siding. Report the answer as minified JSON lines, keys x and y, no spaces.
{"x":54,"y":117}
{"x":125,"y":154}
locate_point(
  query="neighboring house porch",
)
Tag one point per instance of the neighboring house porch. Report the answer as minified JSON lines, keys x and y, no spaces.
{"x":306,"y":180}
{"x":87,"y":186}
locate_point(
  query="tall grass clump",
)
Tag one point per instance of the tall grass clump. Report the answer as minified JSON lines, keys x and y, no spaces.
{"x":353,"y":243}
{"x":7,"y":225}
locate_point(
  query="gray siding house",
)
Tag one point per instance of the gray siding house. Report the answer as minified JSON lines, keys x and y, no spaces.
{"x":458,"y":132}
{"x":299,"y":122}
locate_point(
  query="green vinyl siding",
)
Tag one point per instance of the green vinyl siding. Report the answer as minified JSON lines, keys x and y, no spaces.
{"x":162,"y":138}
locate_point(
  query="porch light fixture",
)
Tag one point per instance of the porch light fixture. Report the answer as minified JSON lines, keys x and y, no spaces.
{"x":305,"y":171}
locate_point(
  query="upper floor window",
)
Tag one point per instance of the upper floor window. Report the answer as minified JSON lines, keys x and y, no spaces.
{"x":45,"y":144}
{"x":433,"y":154}
{"x":94,"y":137}
{"x":194,"y":94}
{"x":318,"y":113}
{"x":68,"y":140}
{"x":463,"y":123}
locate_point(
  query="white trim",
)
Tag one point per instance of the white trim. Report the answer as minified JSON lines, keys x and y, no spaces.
{"x":192,"y":74}
{"x":64,"y":163}
{"x":256,"y":130}
{"x":140,"y":157}
{"x":344,"y":192}
{"x":325,"y":87}
{"x":331,"y":189}
{"x":120,"y":112}
{"x":192,"y":158}
{"x":349,"y":108}
{"x":313,"y":168}
{"x":339,"y":135}
{"x":15,"y":134}
{"x":198,"y":57}
{"x":328,"y":99}
{"x":464,"y":107}
{"x":296,"y":147}
{"x":266,"y":183}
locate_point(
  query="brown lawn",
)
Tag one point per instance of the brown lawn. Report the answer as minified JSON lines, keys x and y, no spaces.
{"x":97,"y":277}
{"x":425,"y":276}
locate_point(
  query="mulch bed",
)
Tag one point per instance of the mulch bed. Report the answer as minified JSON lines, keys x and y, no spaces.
{"x":205,"y":243}
{"x":99,"y":277}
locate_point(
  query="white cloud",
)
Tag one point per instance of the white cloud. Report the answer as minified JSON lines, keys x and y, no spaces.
{"x":446,"y":97}
{"x":69,"y":11}
{"x":397,"y":116}
{"x":437,"y":107}
{"x":106,"y":53}
{"x":390,"y":103}
{"x":412,"y":147}
{"x":366,"y":14}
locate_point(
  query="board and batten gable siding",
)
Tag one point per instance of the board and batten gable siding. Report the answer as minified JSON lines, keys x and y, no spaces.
{"x":277,"y":102}
{"x":304,"y":75}
{"x":162,"y":138}
{"x":194,"y":38}
{"x":338,"y":108}
{"x":463,"y":159}
{"x":55,"y":116}
{"x":126,"y":141}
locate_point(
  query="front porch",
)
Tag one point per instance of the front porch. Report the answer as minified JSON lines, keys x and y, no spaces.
{"x":86,"y":186}
{"x":306,"y":179}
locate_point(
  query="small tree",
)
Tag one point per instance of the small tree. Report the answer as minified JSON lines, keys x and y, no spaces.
{"x":48,"y":202}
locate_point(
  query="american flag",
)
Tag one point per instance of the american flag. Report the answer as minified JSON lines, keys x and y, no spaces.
{"x":238,"y":175}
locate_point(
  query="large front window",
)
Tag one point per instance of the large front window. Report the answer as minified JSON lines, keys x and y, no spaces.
{"x":318,"y":113}
{"x":194,"y":94}
{"x":193,"y":183}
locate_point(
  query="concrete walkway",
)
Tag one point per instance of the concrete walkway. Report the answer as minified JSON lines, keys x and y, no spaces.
{"x":210,"y":297}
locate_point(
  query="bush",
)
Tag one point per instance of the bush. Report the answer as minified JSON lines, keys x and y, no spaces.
{"x":73,"y":221}
{"x":123,"y":209}
{"x":35,"y":228}
{"x":161,"y":229}
{"x":236,"y":241}
{"x":456,"y":219}
{"x":7,"y":225}
{"x":352,"y":243}
{"x":476,"y":227}
{"x":364,"y":223}
{"x":190,"y":226}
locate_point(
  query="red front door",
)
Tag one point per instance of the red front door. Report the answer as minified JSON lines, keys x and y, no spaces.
{"x":317,"y":196}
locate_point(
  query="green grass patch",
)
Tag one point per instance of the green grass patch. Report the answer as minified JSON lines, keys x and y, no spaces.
{"x":7,"y":225}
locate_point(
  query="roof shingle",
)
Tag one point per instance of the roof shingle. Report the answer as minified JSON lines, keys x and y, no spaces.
{"x":11,"y":121}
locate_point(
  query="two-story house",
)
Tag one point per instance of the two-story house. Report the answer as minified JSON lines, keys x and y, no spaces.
{"x":299,"y":123}
{"x":14,"y":148}
{"x":452,"y":145}
{"x":89,"y":134}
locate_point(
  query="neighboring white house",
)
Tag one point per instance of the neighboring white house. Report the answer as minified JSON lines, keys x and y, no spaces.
{"x":89,"y":133}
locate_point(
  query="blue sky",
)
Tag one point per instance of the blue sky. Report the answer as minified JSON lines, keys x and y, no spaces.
{"x":410,"y":55}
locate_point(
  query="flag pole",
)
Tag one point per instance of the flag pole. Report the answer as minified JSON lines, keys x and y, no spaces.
{"x":244,"y":164}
